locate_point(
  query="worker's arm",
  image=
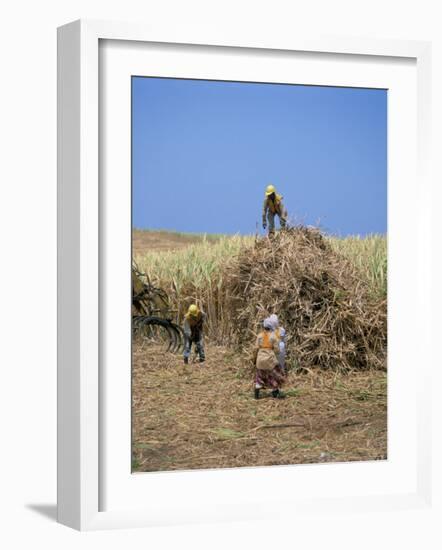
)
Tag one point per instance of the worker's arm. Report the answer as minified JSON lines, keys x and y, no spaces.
{"x":264,"y":213}
{"x":186,"y":328}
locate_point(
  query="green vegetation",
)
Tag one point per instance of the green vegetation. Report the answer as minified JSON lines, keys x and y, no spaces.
{"x":369,"y":254}
{"x":201,"y":261}
{"x":227,"y":433}
{"x":194,"y":273}
{"x":196,"y":263}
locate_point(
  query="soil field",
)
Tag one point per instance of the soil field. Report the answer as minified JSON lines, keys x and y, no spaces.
{"x":149,"y":241}
{"x":205,"y":416}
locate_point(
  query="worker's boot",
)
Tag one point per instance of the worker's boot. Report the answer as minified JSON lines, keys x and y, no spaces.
{"x":277,"y":394}
{"x":186,"y":360}
{"x":202,"y":359}
{"x":256,"y":393}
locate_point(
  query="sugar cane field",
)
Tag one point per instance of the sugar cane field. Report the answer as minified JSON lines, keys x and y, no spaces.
{"x":330,"y":295}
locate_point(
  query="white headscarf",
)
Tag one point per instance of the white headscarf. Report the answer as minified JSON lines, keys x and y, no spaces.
{"x":274,"y":321}
{"x":268,"y":323}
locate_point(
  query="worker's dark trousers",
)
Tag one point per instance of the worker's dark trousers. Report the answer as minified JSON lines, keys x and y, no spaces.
{"x":271,"y":220}
{"x":199,"y":346}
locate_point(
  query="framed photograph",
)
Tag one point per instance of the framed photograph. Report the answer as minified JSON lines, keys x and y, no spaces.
{"x":243,"y":265}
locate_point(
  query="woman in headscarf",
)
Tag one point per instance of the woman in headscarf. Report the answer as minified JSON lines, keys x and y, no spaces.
{"x":265,"y":357}
{"x":280,"y":335}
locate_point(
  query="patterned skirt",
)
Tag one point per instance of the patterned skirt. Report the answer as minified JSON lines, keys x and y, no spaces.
{"x":272,"y":379}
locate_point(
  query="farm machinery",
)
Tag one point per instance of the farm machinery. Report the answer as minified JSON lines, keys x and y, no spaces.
{"x":151,"y":314}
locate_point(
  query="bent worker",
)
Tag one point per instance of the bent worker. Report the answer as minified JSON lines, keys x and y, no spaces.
{"x":272,"y":207}
{"x":193,"y":332}
{"x":265,"y":357}
{"x":280,"y":334}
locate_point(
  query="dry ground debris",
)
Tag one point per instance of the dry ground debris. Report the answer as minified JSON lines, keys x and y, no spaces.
{"x":204,"y":415}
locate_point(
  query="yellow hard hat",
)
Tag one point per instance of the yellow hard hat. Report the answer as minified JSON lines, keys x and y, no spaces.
{"x":270,"y":189}
{"x":193,"y":310}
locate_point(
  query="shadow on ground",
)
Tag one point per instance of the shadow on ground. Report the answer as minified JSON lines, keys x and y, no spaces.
{"x":48,"y":511}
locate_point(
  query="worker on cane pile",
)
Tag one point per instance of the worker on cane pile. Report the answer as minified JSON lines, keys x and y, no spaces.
{"x":265,"y":357}
{"x":193,"y":332}
{"x":272,"y":207}
{"x":280,"y":333}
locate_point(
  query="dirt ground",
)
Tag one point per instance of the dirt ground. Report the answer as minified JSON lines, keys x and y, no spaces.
{"x":205,"y":415}
{"x":145,"y":241}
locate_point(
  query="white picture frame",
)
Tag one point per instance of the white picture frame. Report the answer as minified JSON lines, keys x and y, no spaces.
{"x":80,"y":259}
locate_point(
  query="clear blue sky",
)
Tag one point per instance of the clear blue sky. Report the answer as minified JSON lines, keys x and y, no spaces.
{"x":204,"y":151}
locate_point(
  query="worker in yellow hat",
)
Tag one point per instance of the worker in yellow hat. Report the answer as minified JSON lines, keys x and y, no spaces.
{"x":272,"y":207}
{"x":193,"y":332}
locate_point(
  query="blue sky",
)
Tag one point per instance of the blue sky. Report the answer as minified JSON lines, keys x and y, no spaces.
{"x":204,"y":151}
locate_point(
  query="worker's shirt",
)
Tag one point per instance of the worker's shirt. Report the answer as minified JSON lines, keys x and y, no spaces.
{"x":193,"y":325}
{"x":273,"y":206}
{"x":267,"y":340}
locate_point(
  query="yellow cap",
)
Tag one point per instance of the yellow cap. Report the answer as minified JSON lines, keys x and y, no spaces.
{"x":270,"y":189}
{"x":193,"y":310}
